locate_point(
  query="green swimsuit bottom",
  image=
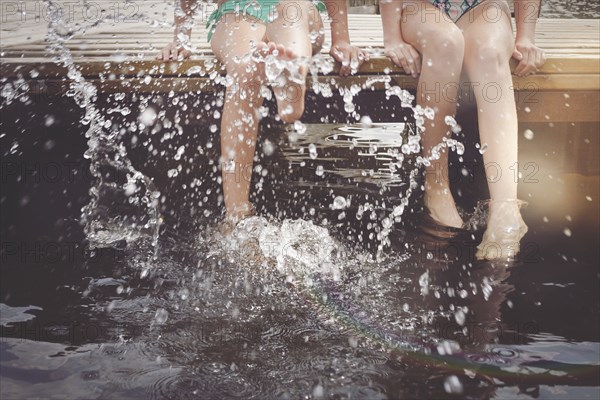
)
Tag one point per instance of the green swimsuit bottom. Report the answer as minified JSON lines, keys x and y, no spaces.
{"x":263,"y":10}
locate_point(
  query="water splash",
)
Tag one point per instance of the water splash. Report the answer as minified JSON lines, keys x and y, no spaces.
{"x":106,"y":223}
{"x":123,"y":202}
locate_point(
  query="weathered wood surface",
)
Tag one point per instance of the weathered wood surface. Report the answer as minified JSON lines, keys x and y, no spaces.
{"x":117,"y":54}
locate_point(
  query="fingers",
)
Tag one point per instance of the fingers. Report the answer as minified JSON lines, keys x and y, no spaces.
{"x":345,"y":68}
{"x":523,"y":65}
{"x":407,"y":58}
{"x":172,"y":51}
{"x":530,"y":65}
{"x":540,"y":58}
{"x":354,"y":61}
{"x":405,"y":65}
{"x":394,"y":57}
{"x":417,"y":59}
{"x":398,"y":59}
{"x":517,"y":55}
{"x":411,"y":61}
{"x":530,"y":58}
{"x":365,"y":55}
{"x":350,"y":58}
{"x":164,"y":54}
{"x":343,"y":58}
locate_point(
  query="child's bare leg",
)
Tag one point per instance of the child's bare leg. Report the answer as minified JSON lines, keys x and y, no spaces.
{"x":489,"y":45}
{"x":290,"y":35}
{"x":441,"y":46}
{"x":233,"y":43}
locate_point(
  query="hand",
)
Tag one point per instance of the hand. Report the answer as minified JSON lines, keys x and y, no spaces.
{"x":405,"y":56}
{"x":173,"y":51}
{"x":530,"y":57}
{"x":351,"y":57}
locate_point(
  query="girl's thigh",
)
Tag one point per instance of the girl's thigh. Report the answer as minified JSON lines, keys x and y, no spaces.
{"x":298,"y":23}
{"x":236,"y":36}
{"x":422,"y":24}
{"x":488,"y":24}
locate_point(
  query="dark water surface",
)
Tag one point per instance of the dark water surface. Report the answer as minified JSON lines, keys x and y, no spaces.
{"x":212,"y":319}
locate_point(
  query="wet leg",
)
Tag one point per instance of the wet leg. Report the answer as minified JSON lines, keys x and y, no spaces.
{"x":489,"y":45}
{"x":441,"y":45}
{"x":233,"y":43}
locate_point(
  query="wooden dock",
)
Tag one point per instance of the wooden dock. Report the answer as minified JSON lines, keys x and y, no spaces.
{"x":117,"y":55}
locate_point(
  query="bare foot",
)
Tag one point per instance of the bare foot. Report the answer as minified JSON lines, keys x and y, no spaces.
{"x":234,"y":217}
{"x":287,"y":73}
{"x":505,"y":229}
{"x":442,"y":209}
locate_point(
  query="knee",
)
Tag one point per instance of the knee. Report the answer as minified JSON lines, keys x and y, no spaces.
{"x":489,"y":56}
{"x":445,"y":50}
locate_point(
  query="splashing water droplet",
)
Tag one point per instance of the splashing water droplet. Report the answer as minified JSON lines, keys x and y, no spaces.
{"x":268,"y":148}
{"x":49,"y":120}
{"x":273,"y":67}
{"x":366,"y":121}
{"x":339,"y":203}
{"x":429,"y":113}
{"x":453,"y":385}
{"x":196,"y":69}
{"x":318,"y":391}
{"x":449,"y":120}
{"x":528,"y":134}
{"x":459,"y":317}
{"x":299,"y":127}
{"x":354,"y":65}
{"x":161,"y":316}
{"x":312,"y":151}
{"x":130,"y":188}
{"x":424,"y":283}
{"x":148,"y":116}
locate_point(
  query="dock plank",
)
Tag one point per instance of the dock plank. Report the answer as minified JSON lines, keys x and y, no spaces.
{"x":115,"y":53}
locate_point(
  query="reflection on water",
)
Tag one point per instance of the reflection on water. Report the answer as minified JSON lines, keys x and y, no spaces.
{"x":235,"y":331}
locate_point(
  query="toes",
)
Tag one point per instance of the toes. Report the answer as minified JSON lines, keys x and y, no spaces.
{"x":262,"y":46}
{"x":262,"y":49}
{"x":280,"y":51}
{"x":290,"y":53}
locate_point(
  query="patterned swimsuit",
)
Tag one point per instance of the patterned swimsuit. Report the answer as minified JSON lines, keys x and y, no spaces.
{"x":262,"y":10}
{"x":455,"y":8}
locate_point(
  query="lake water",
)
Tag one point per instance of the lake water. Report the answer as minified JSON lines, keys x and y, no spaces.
{"x":213,"y":319}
